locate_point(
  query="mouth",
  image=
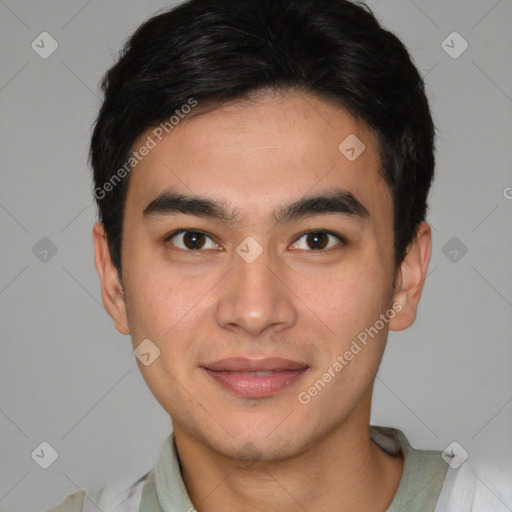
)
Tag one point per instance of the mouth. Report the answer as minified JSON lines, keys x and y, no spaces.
{"x":255,"y":378}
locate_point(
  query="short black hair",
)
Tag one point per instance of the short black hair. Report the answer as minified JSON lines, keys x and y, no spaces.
{"x":215,"y":51}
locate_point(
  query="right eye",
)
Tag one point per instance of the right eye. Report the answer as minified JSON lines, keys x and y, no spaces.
{"x":190,"y":240}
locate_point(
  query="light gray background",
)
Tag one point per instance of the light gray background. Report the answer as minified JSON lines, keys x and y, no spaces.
{"x":68,"y":378}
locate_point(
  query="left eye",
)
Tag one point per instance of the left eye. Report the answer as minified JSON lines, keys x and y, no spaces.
{"x":317,"y":240}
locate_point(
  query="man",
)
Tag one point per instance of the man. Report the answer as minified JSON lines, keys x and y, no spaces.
{"x":262,"y":169}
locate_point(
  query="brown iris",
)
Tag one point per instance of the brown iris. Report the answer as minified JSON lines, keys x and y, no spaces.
{"x":317,"y":240}
{"x":193,"y":239}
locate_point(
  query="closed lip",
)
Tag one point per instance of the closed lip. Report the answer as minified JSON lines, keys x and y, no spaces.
{"x":243,"y":364}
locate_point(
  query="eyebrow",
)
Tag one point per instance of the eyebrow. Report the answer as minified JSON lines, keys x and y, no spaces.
{"x":337,"y":201}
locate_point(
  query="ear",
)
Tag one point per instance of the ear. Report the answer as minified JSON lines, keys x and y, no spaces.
{"x":112,"y":292}
{"x":411,"y":278}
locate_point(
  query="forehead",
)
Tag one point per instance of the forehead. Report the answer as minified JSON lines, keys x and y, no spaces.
{"x":256,"y":154}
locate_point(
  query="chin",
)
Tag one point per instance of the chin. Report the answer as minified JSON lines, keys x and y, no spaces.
{"x":254,"y":445}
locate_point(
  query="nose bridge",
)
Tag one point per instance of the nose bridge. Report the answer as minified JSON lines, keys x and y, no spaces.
{"x":254,"y":298}
{"x":254,"y":278}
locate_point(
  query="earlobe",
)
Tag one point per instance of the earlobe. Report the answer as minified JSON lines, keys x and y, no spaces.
{"x":411,"y":278}
{"x":112,"y":292}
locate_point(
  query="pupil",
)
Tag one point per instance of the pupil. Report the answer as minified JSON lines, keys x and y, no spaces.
{"x":191,"y":240}
{"x":313,"y":240}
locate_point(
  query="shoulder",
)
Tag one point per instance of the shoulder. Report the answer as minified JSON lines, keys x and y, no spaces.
{"x":472,"y":488}
{"x":453,"y":485}
{"x":73,"y":503}
{"x":122,"y":495}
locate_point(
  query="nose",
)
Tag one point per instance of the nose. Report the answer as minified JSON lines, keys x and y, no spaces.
{"x":256,"y":297}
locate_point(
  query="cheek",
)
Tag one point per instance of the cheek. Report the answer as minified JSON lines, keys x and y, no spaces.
{"x":350,"y":309}
{"x":347,"y":297}
{"x":167,"y":308}
{"x":150,"y":306}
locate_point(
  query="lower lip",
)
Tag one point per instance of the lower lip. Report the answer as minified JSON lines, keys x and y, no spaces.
{"x":254,"y":386}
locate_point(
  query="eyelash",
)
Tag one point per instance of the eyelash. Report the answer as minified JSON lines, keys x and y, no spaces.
{"x":340,"y":238}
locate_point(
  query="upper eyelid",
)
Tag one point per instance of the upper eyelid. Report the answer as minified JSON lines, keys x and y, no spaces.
{"x":191,"y":230}
{"x":181,"y":231}
{"x":320,"y":230}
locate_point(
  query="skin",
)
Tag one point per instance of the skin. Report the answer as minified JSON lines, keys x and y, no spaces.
{"x":271,"y":453}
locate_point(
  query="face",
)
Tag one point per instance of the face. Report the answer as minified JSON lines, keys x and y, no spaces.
{"x":259,"y":274}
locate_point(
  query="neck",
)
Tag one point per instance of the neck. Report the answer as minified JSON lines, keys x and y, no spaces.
{"x":343,"y":471}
